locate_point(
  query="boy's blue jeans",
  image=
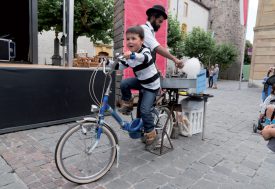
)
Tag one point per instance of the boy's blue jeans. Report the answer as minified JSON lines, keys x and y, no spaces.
{"x":145,"y":102}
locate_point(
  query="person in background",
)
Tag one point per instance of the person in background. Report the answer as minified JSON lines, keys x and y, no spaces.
{"x":207,"y":73}
{"x":268,"y":133}
{"x":267,"y":107}
{"x":211,"y":72}
{"x":270,"y":71}
{"x":215,"y":76}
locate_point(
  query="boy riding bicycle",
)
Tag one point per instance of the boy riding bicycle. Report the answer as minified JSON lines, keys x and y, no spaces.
{"x":146,"y":80}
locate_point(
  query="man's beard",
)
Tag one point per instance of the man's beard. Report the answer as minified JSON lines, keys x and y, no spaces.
{"x":154,"y":25}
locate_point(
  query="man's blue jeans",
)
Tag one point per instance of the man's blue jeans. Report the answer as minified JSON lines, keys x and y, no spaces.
{"x":145,"y":102}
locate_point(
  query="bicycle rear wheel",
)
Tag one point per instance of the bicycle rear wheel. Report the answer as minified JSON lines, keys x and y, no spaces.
{"x":74,"y":158}
{"x":161,"y":116}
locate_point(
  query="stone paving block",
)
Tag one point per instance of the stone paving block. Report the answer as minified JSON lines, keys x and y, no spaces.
{"x":182,"y":163}
{"x":205,"y":185}
{"x":7,"y":178}
{"x":217,"y":177}
{"x":100,"y":187}
{"x":118,"y":184}
{"x":160,"y":163}
{"x":245,"y":171}
{"x":69,"y":185}
{"x":50,"y":185}
{"x":237,"y":177}
{"x":192,"y":173}
{"x":4,"y":167}
{"x":167,"y":187}
{"x":133,"y":177}
{"x":108,"y":177}
{"x":211,"y":160}
{"x":251,"y":164}
{"x":159,"y":179}
{"x":241,"y":186}
{"x":171,"y":172}
{"x":122,"y":169}
{"x":222,"y":170}
{"x":132,"y":160}
{"x":235,"y":157}
{"x":200,"y":167}
{"x":263,"y":181}
{"x":145,"y":169}
{"x":182,"y":182}
{"x":145,"y":184}
{"x":15,"y":185}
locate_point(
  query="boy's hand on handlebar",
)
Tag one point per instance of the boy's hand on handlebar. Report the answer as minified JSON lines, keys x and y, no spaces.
{"x":127,"y":54}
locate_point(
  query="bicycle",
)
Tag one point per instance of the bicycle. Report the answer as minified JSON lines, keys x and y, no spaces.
{"x":87,"y":150}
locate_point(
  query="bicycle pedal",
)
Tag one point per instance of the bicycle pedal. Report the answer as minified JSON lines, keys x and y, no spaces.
{"x":126,"y":113}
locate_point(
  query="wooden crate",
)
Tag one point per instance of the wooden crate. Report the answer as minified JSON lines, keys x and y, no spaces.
{"x":81,"y":61}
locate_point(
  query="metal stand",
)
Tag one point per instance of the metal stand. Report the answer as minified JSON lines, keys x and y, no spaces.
{"x":163,"y":149}
{"x":172,"y":106}
{"x":205,"y":98}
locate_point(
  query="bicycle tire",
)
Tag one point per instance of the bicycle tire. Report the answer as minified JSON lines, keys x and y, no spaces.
{"x":73,"y":173}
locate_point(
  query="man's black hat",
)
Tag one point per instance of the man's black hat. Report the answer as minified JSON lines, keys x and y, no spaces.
{"x":157,"y":8}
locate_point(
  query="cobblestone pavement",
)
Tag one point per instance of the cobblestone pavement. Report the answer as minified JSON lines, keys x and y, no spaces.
{"x":231,"y":156}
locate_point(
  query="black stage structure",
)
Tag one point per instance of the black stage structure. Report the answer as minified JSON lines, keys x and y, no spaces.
{"x":32,"y":97}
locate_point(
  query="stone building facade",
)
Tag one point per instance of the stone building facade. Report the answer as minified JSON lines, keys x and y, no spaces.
{"x":224,"y":21}
{"x":189,"y":14}
{"x":263,"y":55}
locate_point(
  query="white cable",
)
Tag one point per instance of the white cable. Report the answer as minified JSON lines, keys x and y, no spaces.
{"x":92,"y":79}
{"x":91,"y":95}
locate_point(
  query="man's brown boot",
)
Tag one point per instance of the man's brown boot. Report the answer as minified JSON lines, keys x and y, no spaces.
{"x":126,"y":106}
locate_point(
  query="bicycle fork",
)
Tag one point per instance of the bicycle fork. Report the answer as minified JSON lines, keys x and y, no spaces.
{"x":97,"y":136}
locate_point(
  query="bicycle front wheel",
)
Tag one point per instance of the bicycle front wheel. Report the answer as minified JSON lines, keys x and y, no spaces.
{"x":80,"y":158}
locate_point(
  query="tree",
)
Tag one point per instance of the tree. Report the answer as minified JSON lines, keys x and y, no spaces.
{"x":247,"y":58}
{"x":92,"y":18}
{"x":199,"y":44}
{"x":224,"y":54}
{"x":175,"y":38}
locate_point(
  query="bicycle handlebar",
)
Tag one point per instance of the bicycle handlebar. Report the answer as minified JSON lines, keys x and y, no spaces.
{"x":118,"y":58}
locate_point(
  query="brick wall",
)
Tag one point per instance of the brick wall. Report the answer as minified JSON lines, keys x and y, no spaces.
{"x":118,"y":39}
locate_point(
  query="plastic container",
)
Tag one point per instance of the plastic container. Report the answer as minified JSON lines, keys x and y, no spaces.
{"x":191,"y":119}
{"x":190,"y":104}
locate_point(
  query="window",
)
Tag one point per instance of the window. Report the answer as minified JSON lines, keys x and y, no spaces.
{"x":185,"y":9}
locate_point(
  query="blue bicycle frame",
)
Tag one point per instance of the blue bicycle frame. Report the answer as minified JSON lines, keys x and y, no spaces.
{"x":134,"y":127}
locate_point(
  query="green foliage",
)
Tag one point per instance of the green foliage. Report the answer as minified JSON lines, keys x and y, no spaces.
{"x":175,"y":38}
{"x":92,"y":18}
{"x":199,"y":44}
{"x":224,"y":54}
{"x":247,"y":58}
{"x":50,"y":15}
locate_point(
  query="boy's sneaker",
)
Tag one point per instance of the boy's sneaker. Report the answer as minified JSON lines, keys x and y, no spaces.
{"x":126,"y":106}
